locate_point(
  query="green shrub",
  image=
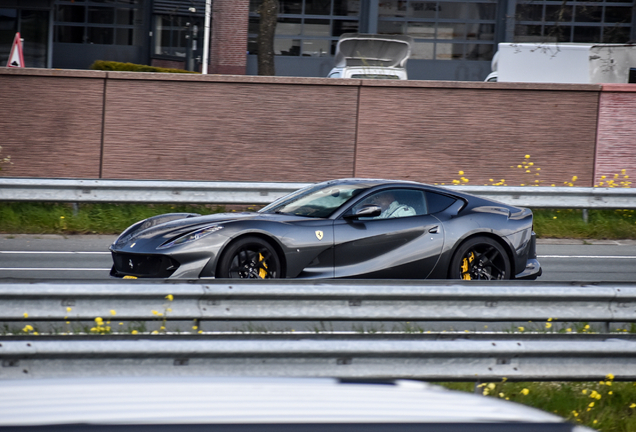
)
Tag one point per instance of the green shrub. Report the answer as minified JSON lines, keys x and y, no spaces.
{"x":131,"y":67}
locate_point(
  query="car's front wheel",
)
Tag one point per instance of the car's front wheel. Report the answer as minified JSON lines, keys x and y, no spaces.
{"x":481,"y":258}
{"x":249,"y":258}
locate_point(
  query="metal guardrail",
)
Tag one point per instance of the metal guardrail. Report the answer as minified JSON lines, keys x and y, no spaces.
{"x":317,"y":301}
{"x":200,"y":306}
{"x":464,"y":360}
{"x":148,"y":191}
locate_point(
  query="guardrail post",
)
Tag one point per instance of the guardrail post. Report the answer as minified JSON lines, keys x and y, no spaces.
{"x":585,"y":215}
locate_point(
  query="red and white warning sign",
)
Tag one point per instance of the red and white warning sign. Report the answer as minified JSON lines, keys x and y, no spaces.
{"x":16,"y":58}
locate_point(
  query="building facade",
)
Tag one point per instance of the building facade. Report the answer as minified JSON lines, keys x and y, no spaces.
{"x":454,"y":39}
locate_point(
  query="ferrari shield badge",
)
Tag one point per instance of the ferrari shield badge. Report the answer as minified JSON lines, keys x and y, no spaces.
{"x":319,"y":234}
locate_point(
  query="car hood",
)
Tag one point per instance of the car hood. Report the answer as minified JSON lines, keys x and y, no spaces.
{"x":355,"y":49}
{"x":173,"y":225}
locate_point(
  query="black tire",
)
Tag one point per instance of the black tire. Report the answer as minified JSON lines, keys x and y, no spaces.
{"x":249,"y":258}
{"x":480,"y":258}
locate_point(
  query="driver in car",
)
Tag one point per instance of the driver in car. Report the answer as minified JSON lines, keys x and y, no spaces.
{"x":391,"y":208}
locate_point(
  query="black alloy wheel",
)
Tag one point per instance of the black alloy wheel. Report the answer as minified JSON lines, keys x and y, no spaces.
{"x":480,"y":258}
{"x":249,"y":258}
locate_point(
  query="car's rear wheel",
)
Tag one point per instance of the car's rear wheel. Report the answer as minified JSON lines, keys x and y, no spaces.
{"x":250,"y":258}
{"x":480,"y":258}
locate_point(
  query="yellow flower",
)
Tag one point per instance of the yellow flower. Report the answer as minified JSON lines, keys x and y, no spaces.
{"x":26,"y":315}
{"x":527,"y":156}
{"x":501,"y":395}
{"x":504,"y":379}
{"x":548,"y":325}
{"x":610,"y":392}
{"x":200,"y":331}
{"x":521,"y":328}
{"x":525,"y":391}
{"x":98,"y":320}
{"x":170,"y":297}
{"x":530,"y":163}
{"x":68,"y":309}
{"x":134,"y":332}
{"x":575,"y":414}
{"x":154,"y":312}
{"x":112,"y":312}
{"x":609,"y":377}
{"x":195,"y":327}
{"x":549,"y":319}
{"x":633,"y":405}
{"x":491,"y":386}
{"x":569,"y":330}
{"x":518,"y":166}
{"x":587,"y":326}
{"x":169,"y":310}
{"x":554,"y":217}
{"x":155,"y":332}
{"x":584,"y":391}
{"x":61,"y":217}
{"x":575,"y":178}
{"x":27,"y":328}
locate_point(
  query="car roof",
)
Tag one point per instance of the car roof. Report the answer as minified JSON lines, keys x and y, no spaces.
{"x":245,"y":400}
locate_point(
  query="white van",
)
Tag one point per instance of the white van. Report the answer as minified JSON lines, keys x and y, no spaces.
{"x":371,"y":56}
{"x":576,"y":63}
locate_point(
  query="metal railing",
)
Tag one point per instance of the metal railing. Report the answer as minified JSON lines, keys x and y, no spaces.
{"x":320,"y":300}
{"x":318,"y":328}
{"x":460,"y":359}
{"x":148,"y":191}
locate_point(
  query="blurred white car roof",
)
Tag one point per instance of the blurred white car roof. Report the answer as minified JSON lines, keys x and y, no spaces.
{"x":210,"y":400}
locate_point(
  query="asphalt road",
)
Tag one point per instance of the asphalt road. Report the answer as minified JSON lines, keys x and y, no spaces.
{"x":87,"y":257}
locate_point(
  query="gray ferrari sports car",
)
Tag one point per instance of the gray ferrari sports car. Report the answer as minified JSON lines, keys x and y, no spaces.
{"x":349,"y":228}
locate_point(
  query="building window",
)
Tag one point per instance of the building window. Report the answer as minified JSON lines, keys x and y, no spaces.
{"x":573,"y":21}
{"x":309,"y":28}
{"x":116,"y":22}
{"x":442,"y":30}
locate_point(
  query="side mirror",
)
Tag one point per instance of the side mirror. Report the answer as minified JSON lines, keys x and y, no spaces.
{"x":365,"y":211}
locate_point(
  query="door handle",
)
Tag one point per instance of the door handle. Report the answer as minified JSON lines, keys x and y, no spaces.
{"x":434,"y":230}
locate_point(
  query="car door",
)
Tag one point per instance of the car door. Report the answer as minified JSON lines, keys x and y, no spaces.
{"x":406,"y":244}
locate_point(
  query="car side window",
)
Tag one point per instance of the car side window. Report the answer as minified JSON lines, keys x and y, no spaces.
{"x":438,"y":202}
{"x":395,"y":203}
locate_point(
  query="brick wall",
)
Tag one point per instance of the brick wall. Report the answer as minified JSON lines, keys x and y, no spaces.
{"x":228,"y":128}
{"x":616,"y":138}
{"x":429,"y":131}
{"x":124,"y":125}
{"x":228,"y":43}
{"x":51,"y":122}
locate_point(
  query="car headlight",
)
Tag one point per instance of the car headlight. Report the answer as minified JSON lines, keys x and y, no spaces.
{"x":191,"y":236}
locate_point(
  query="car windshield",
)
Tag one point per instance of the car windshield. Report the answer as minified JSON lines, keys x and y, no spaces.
{"x":317,"y":201}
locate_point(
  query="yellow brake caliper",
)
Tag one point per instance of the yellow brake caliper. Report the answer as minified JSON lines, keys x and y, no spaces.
{"x":465,"y":273}
{"x":262,"y":271}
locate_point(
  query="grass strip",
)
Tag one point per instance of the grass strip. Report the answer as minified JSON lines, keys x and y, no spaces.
{"x":64,"y":218}
{"x":606,"y":405}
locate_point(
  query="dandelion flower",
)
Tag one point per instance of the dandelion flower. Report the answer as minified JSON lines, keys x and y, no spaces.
{"x":633,"y":405}
{"x":491,"y":386}
{"x":98,"y":320}
{"x":170,"y":297}
{"x":609,"y":377}
{"x":155,"y":332}
{"x":525,"y":392}
{"x":554,"y":217}
{"x":568,"y":330}
{"x":518,"y":166}
{"x":501,"y":395}
{"x":584,"y":391}
{"x":26,"y":315}
{"x":112,"y":312}
{"x":527,"y":156}
{"x":591,"y":405}
{"x":610,"y":392}
{"x":68,"y":309}
{"x":134,"y":332}
{"x":521,"y":328}
{"x":548,"y":325}
{"x":195,"y":327}
{"x":461,"y":173}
